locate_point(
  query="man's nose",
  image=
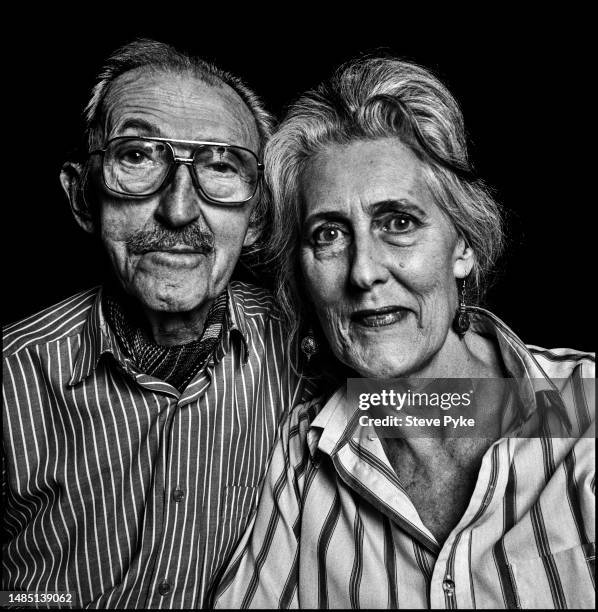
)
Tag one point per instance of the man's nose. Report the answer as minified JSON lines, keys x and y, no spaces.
{"x":367,"y":264}
{"x":179,"y":202}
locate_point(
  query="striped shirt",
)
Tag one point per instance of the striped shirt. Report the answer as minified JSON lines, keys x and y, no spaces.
{"x":335,"y":529}
{"x":116,"y":486}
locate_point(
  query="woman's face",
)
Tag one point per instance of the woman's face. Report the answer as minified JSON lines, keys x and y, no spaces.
{"x":379,"y":258}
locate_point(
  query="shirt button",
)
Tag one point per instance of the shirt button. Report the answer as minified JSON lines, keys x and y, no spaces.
{"x":448,"y":586}
{"x":164,"y":588}
{"x":178,"y":495}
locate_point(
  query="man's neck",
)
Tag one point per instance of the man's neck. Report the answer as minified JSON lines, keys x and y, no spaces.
{"x":174,"y":328}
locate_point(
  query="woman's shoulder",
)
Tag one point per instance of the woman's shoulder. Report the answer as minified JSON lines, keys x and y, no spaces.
{"x":573,"y":375}
{"x":295,"y":427}
{"x":301,"y":416}
{"x":564,"y":362}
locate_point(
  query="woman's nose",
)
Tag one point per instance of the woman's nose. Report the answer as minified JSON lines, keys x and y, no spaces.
{"x":179,"y":202}
{"x":367,"y":265}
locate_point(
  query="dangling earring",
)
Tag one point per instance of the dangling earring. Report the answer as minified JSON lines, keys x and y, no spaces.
{"x":461,"y":321}
{"x":309,"y":345}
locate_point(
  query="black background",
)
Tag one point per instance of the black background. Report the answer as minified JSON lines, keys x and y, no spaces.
{"x":523,"y":86}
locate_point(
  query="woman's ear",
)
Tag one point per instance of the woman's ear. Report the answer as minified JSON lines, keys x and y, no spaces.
{"x":463,"y":259}
{"x":71,"y":179}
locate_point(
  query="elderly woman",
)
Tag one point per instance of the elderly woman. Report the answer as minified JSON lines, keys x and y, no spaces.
{"x":382,"y":233}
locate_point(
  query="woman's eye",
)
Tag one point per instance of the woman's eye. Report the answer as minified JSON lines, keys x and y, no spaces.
{"x":326,"y":235}
{"x":398,"y":224}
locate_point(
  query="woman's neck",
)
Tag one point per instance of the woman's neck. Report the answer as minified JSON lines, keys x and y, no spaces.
{"x":473,"y":356}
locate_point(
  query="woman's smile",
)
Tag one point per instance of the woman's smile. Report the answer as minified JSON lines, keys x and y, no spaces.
{"x":379,"y":317}
{"x":380,"y":259}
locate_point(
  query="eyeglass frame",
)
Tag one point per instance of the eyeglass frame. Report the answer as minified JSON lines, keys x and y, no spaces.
{"x":177,"y":160}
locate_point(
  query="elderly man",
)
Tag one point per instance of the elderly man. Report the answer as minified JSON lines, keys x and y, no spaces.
{"x":138,"y":417}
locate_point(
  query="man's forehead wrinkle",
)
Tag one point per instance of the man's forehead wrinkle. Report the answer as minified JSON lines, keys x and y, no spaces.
{"x":183,"y":97}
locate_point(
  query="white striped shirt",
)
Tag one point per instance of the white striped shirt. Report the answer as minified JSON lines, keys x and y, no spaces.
{"x":116,"y":486}
{"x":335,"y":529}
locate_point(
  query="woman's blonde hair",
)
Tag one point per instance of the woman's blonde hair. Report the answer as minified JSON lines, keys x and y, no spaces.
{"x":367,"y":99}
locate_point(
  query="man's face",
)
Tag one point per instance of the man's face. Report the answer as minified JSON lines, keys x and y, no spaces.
{"x":173,"y":251}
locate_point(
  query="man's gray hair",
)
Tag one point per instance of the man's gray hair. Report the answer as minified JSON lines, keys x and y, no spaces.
{"x":153,"y":55}
{"x":367,"y":99}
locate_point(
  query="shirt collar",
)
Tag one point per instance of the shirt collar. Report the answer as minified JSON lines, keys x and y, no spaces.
{"x":236,"y":323}
{"x":97,"y":337}
{"x":330,"y":425}
{"x":335,"y":424}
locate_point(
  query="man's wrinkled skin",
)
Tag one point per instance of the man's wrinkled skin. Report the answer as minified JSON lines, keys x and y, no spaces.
{"x":173,"y":252}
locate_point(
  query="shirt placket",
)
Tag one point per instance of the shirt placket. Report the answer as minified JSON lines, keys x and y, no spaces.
{"x":176,"y":491}
{"x":178,"y":545}
{"x":451,"y":585}
{"x":450,"y":570}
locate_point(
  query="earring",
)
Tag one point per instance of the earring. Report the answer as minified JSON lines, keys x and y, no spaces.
{"x":309,"y":345}
{"x":461,"y":321}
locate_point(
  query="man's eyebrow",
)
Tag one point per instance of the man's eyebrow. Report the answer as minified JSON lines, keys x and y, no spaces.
{"x":141,"y":125}
{"x":145,"y":128}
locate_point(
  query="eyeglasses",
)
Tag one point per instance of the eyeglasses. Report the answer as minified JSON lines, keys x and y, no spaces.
{"x":142,"y":166}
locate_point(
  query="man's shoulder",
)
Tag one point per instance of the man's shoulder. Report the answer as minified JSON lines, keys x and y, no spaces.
{"x":61,"y":320}
{"x":562,"y":363}
{"x":255,"y":302}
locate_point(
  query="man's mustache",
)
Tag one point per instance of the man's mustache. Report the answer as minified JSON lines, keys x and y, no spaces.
{"x":162,"y":239}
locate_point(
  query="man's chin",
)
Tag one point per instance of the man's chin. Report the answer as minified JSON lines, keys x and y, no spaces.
{"x":180,"y":305}
{"x":173,"y":301}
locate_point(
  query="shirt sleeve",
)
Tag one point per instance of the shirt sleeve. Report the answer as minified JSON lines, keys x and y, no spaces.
{"x":263,"y":572}
{"x":3,"y":493}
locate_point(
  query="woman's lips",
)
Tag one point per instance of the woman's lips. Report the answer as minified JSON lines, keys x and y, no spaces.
{"x":379,"y":317}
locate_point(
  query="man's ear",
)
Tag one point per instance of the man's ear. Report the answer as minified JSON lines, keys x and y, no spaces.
{"x":71,"y":179}
{"x":253,"y":233}
{"x":463,"y":258}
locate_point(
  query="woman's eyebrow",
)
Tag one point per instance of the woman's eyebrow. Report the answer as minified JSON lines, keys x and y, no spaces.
{"x":391,"y":205}
{"x":376,"y":208}
{"x":326,"y":215}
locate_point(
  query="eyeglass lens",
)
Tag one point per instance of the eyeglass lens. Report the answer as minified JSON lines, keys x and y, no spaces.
{"x":136,"y":166}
